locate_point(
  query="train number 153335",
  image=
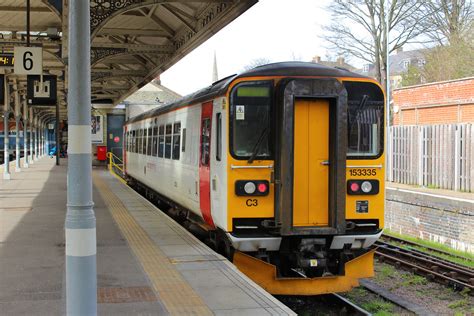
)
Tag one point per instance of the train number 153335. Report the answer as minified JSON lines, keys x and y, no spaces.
{"x":362,"y":172}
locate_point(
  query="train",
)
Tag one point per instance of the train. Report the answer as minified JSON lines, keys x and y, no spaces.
{"x":279,"y":168}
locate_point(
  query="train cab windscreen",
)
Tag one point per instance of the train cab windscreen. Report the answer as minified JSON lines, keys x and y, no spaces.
{"x":251,"y":121}
{"x":365,"y":120}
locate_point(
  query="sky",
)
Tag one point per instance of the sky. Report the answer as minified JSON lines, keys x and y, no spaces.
{"x":277,"y":30}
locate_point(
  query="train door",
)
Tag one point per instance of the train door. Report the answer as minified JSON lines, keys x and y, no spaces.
{"x":115,"y":123}
{"x":311,"y":163}
{"x":205,"y":163}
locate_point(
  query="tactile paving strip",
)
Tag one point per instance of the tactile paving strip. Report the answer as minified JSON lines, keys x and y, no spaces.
{"x":175,"y":293}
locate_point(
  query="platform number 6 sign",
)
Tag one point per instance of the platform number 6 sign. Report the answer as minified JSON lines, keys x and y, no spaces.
{"x":28,"y":60}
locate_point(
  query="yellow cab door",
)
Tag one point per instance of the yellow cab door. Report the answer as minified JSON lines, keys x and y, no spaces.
{"x":311,"y":167}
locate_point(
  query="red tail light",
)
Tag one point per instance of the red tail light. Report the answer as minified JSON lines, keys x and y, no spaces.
{"x":354,"y":187}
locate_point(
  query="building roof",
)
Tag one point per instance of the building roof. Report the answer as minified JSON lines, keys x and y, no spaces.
{"x":398,"y":61}
{"x":132,"y":42}
{"x":153,"y":93}
{"x":339,"y":63}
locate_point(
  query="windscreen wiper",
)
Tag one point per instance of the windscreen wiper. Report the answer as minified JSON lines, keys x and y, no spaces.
{"x":360,"y":107}
{"x":256,"y":147}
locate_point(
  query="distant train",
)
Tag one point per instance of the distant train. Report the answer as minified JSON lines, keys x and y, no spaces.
{"x":280,"y":168}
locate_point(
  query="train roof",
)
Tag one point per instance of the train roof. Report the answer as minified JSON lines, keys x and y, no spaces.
{"x":294,"y":68}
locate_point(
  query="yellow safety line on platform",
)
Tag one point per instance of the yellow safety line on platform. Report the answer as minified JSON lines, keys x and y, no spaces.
{"x":176,"y":294}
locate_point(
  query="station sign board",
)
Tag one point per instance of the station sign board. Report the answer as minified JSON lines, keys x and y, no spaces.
{"x":6,"y":60}
{"x":41,"y":91}
{"x":28,"y":60}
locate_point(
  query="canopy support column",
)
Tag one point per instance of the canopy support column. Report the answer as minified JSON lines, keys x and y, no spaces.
{"x":17,"y":128}
{"x":35,"y":122}
{"x":32,"y":141}
{"x":6,"y":140}
{"x":81,"y":248}
{"x":25,"y":134}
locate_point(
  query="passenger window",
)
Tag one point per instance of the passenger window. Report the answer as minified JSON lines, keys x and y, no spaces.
{"x":148,"y":147}
{"x":140,"y":141}
{"x":161,"y":141}
{"x":133,"y":142}
{"x":143,"y":149}
{"x":205,"y":141}
{"x":183,"y":143}
{"x":176,"y":140}
{"x":129,"y":138}
{"x":218,"y":136}
{"x":154,"y":148}
{"x":169,"y":132}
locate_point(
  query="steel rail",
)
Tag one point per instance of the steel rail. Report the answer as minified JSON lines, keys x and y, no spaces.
{"x":420,"y":255}
{"x":411,"y":243}
{"x":352,"y":309}
{"x":430,"y":272}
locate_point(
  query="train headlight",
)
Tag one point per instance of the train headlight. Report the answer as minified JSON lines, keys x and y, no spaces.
{"x":366,"y":187}
{"x":250,"y":188}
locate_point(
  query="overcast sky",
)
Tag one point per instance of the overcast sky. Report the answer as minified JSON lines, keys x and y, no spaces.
{"x":278,"y":30}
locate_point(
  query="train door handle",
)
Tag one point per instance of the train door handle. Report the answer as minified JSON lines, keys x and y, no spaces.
{"x":325,"y":162}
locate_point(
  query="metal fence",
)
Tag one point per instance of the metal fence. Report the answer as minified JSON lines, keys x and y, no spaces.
{"x":435,"y":156}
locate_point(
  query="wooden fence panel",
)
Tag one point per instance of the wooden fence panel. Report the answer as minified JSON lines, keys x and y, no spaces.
{"x":438,"y":156}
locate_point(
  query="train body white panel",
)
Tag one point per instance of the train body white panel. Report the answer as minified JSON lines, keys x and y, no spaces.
{"x":219,"y":167}
{"x":178,"y":180}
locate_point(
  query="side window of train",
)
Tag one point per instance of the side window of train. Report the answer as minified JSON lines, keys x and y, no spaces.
{"x":161,"y":141}
{"x":140,"y":144}
{"x":218,"y":136}
{"x":145,"y":136}
{"x":154,"y":146}
{"x":149,"y":139}
{"x":132,"y":145}
{"x":135,"y":135}
{"x":183,"y":143}
{"x":205,"y":141}
{"x":176,"y":139}
{"x":169,"y":132}
{"x":128,"y":141}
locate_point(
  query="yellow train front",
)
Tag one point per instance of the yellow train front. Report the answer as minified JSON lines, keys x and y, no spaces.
{"x":305,"y":177}
{"x":280,"y":168}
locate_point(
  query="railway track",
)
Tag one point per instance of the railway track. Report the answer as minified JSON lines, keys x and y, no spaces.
{"x":328,"y":304}
{"x":428,"y":265}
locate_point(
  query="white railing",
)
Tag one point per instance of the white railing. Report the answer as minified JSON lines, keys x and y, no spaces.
{"x":436,"y":156}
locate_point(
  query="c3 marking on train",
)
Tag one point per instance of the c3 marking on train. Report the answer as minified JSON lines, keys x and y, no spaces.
{"x":251,"y":202}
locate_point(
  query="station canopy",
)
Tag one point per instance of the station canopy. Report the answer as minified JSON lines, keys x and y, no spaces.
{"x":132,"y":41}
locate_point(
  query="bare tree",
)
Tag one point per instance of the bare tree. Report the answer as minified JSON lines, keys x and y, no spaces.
{"x":359,"y":29}
{"x":448,"y":21}
{"x":256,"y":62}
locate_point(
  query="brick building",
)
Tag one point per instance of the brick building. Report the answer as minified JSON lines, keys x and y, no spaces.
{"x":435,"y":103}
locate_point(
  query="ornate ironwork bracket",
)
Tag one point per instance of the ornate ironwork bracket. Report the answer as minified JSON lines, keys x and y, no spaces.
{"x":101,"y":10}
{"x":98,"y":54}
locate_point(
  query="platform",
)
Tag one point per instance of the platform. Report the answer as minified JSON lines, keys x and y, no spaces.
{"x":146,"y":263}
